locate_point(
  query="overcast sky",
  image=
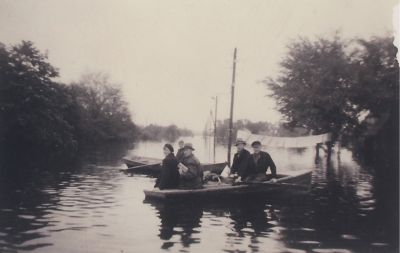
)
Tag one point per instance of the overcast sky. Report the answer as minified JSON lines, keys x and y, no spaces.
{"x":172,"y":56}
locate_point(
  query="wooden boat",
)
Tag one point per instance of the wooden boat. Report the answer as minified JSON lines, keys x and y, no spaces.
{"x":151,"y":166}
{"x":139,"y":160}
{"x":297,"y":180}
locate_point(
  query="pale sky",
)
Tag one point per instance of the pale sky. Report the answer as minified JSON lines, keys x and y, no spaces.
{"x":172,"y":56}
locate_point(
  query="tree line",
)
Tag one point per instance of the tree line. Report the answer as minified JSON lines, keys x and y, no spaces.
{"x":42,"y":119}
{"x":169,"y":133}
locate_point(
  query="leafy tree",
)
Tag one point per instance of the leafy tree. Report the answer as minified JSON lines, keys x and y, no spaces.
{"x":311,"y":90}
{"x":375,"y":82}
{"x":42,"y":120}
{"x":375,"y":91}
{"x":34,"y":110}
{"x":104,"y":115}
{"x":327,"y":85}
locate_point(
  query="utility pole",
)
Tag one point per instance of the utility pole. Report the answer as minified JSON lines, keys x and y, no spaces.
{"x":215,"y":124}
{"x":231,"y":114}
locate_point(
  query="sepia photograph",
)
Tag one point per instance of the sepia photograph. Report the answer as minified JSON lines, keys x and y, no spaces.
{"x":262,"y":126}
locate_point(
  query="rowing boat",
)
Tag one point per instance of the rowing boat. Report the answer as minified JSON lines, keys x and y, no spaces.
{"x":296,"y":180}
{"x":152,"y":166}
{"x":140,"y":160}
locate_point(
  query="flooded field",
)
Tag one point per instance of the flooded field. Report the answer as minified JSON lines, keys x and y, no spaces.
{"x":98,"y":209}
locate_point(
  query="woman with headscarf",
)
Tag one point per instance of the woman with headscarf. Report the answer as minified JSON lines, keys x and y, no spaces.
{"x":169,"y":177}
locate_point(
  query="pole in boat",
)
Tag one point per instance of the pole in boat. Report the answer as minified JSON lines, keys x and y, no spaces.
{"x":215,"y":124}
{"x":231,"y":113}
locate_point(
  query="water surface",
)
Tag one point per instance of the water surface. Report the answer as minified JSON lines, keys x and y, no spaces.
{"x":98,"y":209}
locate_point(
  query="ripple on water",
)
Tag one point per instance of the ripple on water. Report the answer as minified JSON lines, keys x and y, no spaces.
{"x":289,"y":250}
{"x":26,"y":216}
{"x":84,"y":204}
{"x":349,"y":237}
{"x":379,"y":244}
{"x":309,"y":242}
{"x":331,"y":250}
{"x":99,"y":225}
{"x":75,"y":228}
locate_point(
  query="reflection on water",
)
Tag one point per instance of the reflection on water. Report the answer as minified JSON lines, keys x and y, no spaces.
{"x":50,"y":205}
{"x":179,"y":220}
{"x":98,"y":209}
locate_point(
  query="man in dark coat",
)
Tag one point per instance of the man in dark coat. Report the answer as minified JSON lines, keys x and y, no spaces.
{"x":190,"y":169}
{"x":240,"y":160}
{"x":179,"y":154}
{"x":258,"y":164}
{"x":169,"y":177}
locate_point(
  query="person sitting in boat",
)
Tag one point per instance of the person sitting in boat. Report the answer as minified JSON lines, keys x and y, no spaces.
{"x":179,"y":154}
{"x":240,"y":159}
{"x":191,"y":173}
{"x":169,"y":177}
{"x":258,"y":164}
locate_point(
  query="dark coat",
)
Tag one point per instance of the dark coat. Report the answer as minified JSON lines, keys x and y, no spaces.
{"x":261,"y":166}
{"x":240,"y":161}
{"x":169,"y":177}
{"x":193,"y":178}
{"x":179,"y":154}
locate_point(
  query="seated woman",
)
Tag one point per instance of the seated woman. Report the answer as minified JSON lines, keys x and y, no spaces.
{"x":169,"y":177}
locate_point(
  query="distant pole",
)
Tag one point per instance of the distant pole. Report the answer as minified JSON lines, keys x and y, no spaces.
{"x":209,"y":139}
{"x":215,"y":124}
{"x":231,"y":114}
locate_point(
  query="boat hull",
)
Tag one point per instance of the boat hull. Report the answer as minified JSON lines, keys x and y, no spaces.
{"x":299,"y":182}
{"x":139,"y":161}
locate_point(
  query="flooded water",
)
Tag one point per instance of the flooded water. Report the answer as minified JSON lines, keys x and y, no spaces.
{"x":98,"y":209}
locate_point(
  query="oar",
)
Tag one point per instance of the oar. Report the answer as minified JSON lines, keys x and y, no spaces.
{"x":140,"y":166}
{"x":144,"y":166}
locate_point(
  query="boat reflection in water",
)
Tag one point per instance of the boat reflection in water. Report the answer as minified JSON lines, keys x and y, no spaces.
{"x":179,"y":219}
{"x":181,"y":223}
{"x":340,"y":214}
{"x":251,"y":214}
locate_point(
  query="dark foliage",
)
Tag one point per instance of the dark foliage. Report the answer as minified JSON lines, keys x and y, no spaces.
{"x":103,"y":114}
{"x":157,"y":133}
{"x":42,"y":120}
{"x":327,"y":85}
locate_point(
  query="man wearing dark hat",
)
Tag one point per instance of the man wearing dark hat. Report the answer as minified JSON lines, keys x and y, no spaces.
{"x":240,"y":159}
{"x":258,"y":164}
{"x":191,"y":173}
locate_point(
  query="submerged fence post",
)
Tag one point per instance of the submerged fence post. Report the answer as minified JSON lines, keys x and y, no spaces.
{"x":339,"y":147}
{"x":317,"y":148}
{"x":329,"y":151}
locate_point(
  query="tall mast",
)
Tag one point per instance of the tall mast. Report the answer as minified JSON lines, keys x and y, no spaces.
{"x":231,"y":114}
{"x":215,"y":124}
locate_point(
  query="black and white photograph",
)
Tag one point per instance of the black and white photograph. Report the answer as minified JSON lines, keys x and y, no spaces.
{"x":183,"y":126}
